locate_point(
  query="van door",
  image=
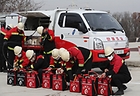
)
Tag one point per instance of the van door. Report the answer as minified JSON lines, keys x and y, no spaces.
{"x":72,"y":28}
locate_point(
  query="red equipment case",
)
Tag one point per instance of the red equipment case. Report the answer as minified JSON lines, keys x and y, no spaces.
{"x":89,"y":86}
{"x":59,"y":82}
{"x":75,"y":85}
{"x":104,"y":86}
{"x":47,"y":79}
{"x":33,"y":80}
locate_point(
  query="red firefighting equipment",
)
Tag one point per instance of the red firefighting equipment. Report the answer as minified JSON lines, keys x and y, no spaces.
{"x":104,"y":86}
{"x":47,"y":79}
{"x":75,"y":85}
{"x":59,"y":82}
{"x":33,"y":80}
{"x":89,"y":85}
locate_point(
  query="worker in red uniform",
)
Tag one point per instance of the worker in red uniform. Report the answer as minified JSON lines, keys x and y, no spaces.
{"x":21,"y":61}
{"x":118,"y":71}
{"x":56,"y":62}
{"x":47,"y":42}
{"x":3,"y":49}
{"x":15,"y":37}
{"x":36,"y":63}
{"x":77,"y":59}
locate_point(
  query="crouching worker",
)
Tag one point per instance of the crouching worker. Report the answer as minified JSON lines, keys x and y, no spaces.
{"x":55,"y":61}
{"x":118,"y":71}
{"x":76,"y":60}
{"x":20,"y":61}
{"x":36,"y":62}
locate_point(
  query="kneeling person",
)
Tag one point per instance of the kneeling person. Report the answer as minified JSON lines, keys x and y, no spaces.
{"x":20,"y":61}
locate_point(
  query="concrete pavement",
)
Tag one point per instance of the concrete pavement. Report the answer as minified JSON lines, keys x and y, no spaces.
{"x":134,"y":59}
{"x":8,"y":90}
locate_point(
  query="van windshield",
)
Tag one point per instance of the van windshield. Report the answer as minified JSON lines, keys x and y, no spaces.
{"x":102,"y":22}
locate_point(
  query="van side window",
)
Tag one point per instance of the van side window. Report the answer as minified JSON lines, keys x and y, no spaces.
{"x":72,"y":20}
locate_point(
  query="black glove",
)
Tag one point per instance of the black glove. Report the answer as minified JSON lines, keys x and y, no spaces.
{"x":79,"y":70}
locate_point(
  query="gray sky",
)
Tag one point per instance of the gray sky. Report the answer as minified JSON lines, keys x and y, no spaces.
{"x":108,"y":5}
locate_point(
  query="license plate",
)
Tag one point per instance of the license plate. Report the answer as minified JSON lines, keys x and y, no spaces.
{"x":119,"y":51}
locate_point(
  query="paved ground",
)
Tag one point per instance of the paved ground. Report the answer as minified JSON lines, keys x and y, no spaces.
{"x":132,"y":90}
{"x":134,"y":59}
{"x":8,"y":90}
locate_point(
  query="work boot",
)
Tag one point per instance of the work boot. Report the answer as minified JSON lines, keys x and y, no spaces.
{"x":124,"y":87}
{"x":119,"y":92}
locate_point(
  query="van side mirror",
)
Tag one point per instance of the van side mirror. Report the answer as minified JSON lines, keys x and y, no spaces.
{"x":81,"y":27}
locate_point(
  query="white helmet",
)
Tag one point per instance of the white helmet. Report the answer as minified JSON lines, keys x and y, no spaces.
{"x":17,"y":50}
{"x":20,"y":26}
{"x":55,"y":53}
{"x":40,"y":29}
{"x":61,"y":50}
{"x":29,"y":54}
{"x":65,"y":56}
{"x":108,"y":51}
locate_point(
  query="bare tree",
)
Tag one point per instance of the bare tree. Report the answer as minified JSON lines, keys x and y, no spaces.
{"x":2,"y":2}
{"x":136,"y":22}
{"x":127,"y":23}
{"x":9,"y":6}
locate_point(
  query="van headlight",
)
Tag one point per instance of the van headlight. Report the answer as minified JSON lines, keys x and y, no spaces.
{"x":97,"y":44}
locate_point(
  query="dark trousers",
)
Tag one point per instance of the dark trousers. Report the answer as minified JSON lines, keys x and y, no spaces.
{"x":40,"y":71}
{"x":11,"y":57}
{"x":118,"y":80}
{"x":2,"y":60}
{"x":47,"y":59}
{"x":88,"y":65}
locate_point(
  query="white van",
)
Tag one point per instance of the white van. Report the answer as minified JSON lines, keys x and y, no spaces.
{"x":87,"y":28}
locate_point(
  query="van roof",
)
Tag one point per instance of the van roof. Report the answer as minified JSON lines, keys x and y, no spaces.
{"x":49,"y":12}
